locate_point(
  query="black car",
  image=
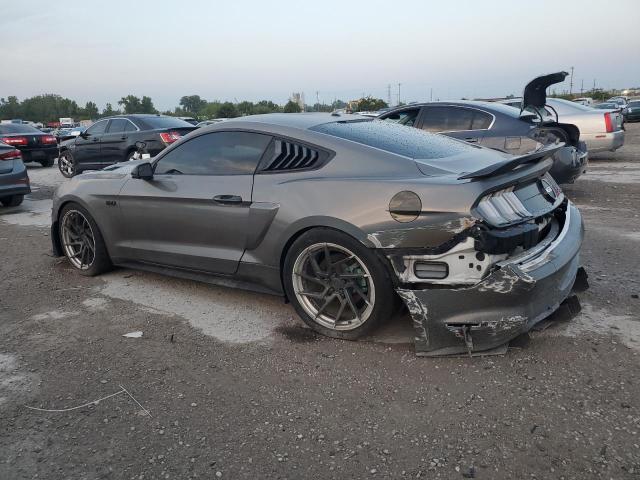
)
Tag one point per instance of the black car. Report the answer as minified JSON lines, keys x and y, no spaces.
{"x":501,"y":127}
{"x":14,"y":180}
{"x":632,"y":112}
{"x":112,"y":140}
{"x":34,"y":145}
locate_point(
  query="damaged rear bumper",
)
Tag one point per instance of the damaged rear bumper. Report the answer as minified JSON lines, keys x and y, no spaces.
{"x":509,"y":301}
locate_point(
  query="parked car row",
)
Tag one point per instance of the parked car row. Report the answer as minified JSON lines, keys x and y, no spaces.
{"x":113,"y":139}
{"x":503,"y":128}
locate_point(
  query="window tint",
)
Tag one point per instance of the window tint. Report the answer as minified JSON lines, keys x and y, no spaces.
{"x":97,"y":128}
{"x":634,"y":104}
{"x":446,"y":119}
{"x":220,"y":153}
{"x":405,"y":117}
{"x":130,"y":127}
{"x":17,"y":128}
{"x":394,"y":138}
{"x":481,"y":120}
{"x":117,"y":125}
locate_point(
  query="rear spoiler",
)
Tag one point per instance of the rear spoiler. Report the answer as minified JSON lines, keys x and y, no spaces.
{"x":512,"y":163}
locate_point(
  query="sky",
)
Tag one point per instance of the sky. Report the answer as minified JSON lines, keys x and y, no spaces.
{"x":252,"y":50}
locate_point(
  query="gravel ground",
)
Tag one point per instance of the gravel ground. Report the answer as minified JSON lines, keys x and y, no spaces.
{"x":228,"y":384}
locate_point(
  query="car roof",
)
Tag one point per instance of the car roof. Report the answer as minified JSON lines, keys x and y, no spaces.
{"x":493,"y":107}
{"x":302,"y":121}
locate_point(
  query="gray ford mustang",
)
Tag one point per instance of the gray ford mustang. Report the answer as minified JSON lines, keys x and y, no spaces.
{"x":343,"y":216}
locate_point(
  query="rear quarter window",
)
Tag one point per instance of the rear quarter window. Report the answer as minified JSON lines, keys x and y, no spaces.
{"x":391,"y":137}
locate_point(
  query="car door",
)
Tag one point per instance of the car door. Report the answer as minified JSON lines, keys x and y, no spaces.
{"x":87,"y":145}
{"x":453,"y":121}
{"x":113,"y":146}
{"x":194,"y":213}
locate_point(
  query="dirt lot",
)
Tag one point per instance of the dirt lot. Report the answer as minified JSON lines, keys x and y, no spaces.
{"x":236,"y":388}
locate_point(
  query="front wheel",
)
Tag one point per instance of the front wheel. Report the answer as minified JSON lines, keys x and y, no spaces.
{"x":82,"y":242}
{"x":67,"y":164}
{"x":337,"y":285}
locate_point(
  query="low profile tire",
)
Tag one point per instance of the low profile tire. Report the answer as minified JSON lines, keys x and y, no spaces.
{"x":338,"y":286}
{"x":82,"y":242}
{"x":12,"y":201}
{"x":67,"y":164}
{"x":47,"y":163}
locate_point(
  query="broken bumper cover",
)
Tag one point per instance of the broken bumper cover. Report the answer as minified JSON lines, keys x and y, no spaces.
{"x":506,"y":303}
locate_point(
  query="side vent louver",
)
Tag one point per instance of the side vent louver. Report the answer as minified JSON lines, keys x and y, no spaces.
{"x":291,"y":156}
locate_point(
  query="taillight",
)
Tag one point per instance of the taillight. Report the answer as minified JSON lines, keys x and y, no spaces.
{"x":170,"y":137}
{"x":607,"y":122}
{"x":10,"y":155}
{"x":15,"y":140}
{"x":48,"y":139}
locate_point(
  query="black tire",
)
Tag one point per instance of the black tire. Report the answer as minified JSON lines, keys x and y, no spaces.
{"x":385,"y":299}
{"x":47,"y":163}
{"x":101,"y":261}
{"x":67,"y":164}
{"x":12,"y":201}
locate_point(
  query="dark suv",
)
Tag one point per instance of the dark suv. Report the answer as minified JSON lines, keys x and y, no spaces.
{"x":112,"y":140}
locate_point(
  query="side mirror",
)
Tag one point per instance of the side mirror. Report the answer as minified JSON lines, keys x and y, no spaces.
{"x":84,"y":135}
{"x":143,"y":171}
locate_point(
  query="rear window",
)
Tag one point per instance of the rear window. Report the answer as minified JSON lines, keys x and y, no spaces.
{"x":395,"y":138}
{"x":164,"y":122}
{"x":8,"y":128}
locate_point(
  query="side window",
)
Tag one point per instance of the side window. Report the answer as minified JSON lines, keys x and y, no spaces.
{"x":98,"y":127}
{"x":130,"y":127}
{"x":481,"y":120}
{"x":117,"y":125}
{"x":447,"y":119}
{"x":404,"y":117}
{"x":219,"y":153}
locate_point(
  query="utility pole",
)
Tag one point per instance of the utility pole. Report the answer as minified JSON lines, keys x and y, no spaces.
{"x":571,"y":82}
{"x":389,"y":94}
{"x":317,"y":99}
{"x":581,"y":86}
{"x":431,"y":94}
{"x":399,"y":93}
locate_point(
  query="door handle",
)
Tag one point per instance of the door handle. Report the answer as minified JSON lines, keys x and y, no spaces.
{"x":227,"y":199}
{"x":124,"y":137}
{"x":471,"y":140}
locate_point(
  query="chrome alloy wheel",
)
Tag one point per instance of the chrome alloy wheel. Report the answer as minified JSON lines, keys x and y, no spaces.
{"x":66,"y":164}
{"x":333,"y":286}
{"x":78,"y":240}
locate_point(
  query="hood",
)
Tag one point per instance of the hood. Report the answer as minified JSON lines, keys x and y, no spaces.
{"x":119,"y":170}
{"x":535,"y":93}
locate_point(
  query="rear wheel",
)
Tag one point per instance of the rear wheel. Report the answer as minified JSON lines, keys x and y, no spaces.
{"x":12,"y":201}
{"x":337,"y":285}
{"x":82,"y":242}
{"x":67,"y":164}
{"x":47,"y":163}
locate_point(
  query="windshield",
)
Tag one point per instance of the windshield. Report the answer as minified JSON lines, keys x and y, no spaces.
{"x":634,"y":104}
{"x":8,"y":128}
{"x":391,"y":137}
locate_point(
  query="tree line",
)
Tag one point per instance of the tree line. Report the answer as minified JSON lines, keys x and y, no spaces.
{"x":52,"y":107}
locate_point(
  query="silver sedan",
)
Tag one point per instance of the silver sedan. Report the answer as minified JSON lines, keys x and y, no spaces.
{"x":600,"y":130}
